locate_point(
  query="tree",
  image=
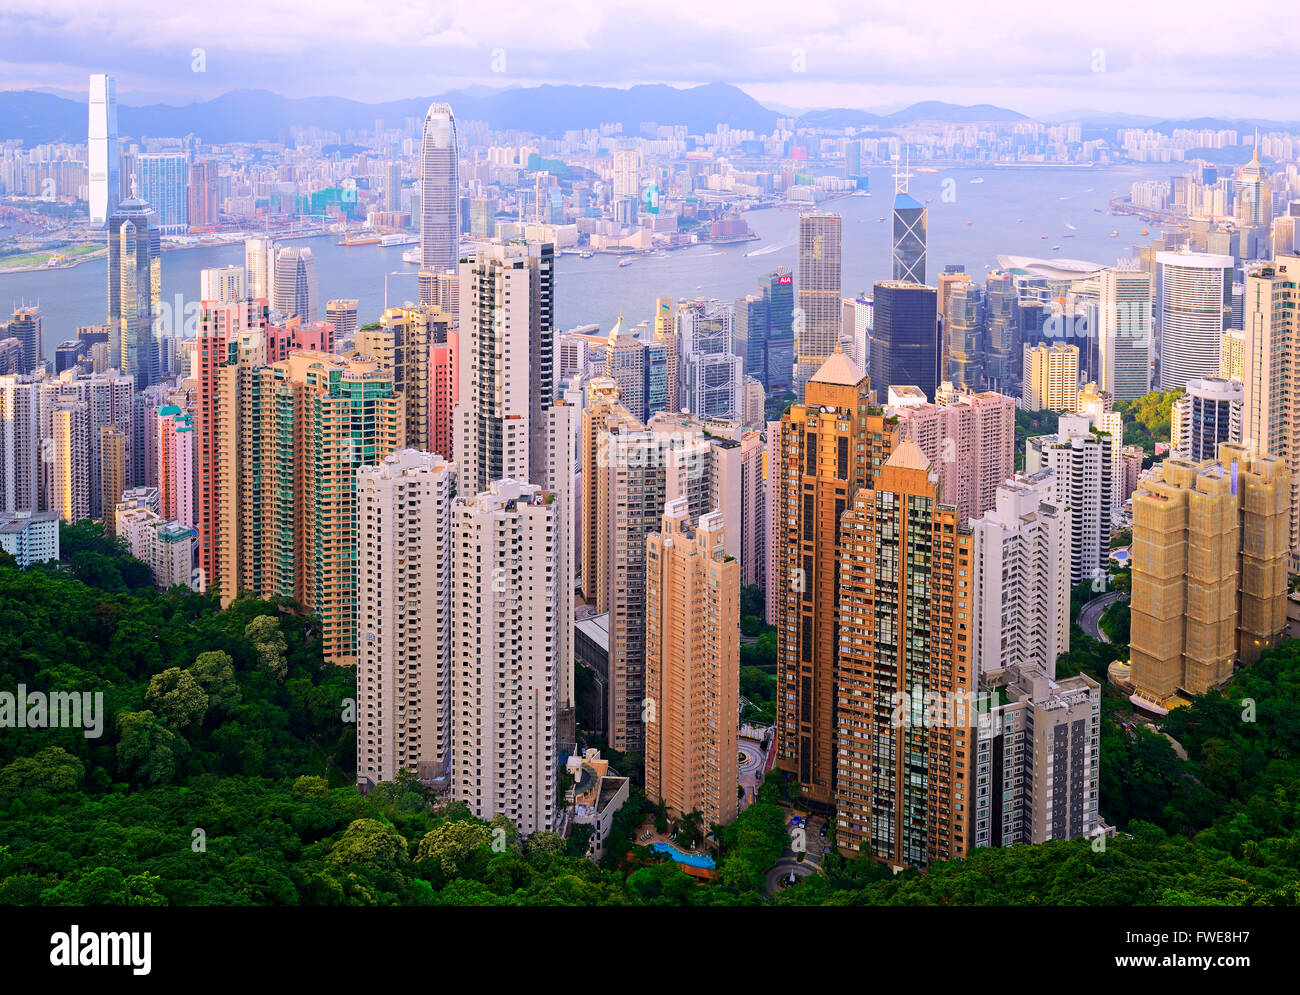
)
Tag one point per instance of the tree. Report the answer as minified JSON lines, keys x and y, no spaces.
{"x":268,"y":640}
{"x":177,"y":698}
{"x":147,"y":749}
{"x":215,"y":673}
{"x":451,"y":845}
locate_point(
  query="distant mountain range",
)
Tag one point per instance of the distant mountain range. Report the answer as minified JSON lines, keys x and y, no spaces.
{"x":36,"y":116}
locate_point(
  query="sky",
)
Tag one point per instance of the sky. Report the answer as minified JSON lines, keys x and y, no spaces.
{"x":1153,"y":57}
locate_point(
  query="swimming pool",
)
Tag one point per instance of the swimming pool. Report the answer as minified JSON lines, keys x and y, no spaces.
{"x":694,"y":859}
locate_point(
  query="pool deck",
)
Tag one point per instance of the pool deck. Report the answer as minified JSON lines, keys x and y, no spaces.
{"x":657,"y":837}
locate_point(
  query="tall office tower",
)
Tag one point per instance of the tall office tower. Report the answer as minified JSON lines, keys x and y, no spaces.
{"x":259,"y":268}
{"x":295,"y":292}
{"x":1080,"y":456}
{"x":27,"y":326}
{"x":402,"y":345}
{"x":114,"y":471}
{"x":393,"y":187}
{"x":905,"y":337}
{"x":444,"y":390}
{"x":665,"y":334}
{"x":175,"y":450}
{"x":160,"y":182}
{"x":439,"y":191}
{"x":224,"y":284}
{"x":1195,"y":305}
{"x":1253,"y":204}
{"x":11,"y":356}
{"x":969,"y":440}
{"x":404,"y":558}
{"x":204,"y":204}
{"x":20,"y":443}
{"x":692,"y":667}
{"x":507,"y":364}
{"x":777,"y":289}
{"x":1271,"y":382}
{"x":902,"y":790}
{"x":953,"y":276}
{"x":1124,"y":332}
{"x":909,"y":241}
{"x":749,"y":335}
{"x":134,"y":290}
{"x":1208,"y":414}
{"x":441,"y":290}
{"x":1232,"y":353}
{"x":505,"y":663}
{"x":342,"y":314}
{"x":710,"y":375}
{"x":660,"y":372}
{"x":855,"y":334}
{"x":817,"y":320}
{"x":625,"y":364}
{"x":963,"y":333}
{"x":70,"y":470}
{"x":1021,"y":567}
{"x":219,"y":326}
{"x":1002,"y":360}
{"x":1040,"y":760}
{"x":1051,"y":378}
{"x":1209,"y":570}
{"x":831,"y":445}
{"x":102,"y":165}
{"x":1284,"y":237}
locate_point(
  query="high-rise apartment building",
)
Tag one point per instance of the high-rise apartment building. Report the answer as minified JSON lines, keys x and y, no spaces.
{"x":506,"y":364}
{"x":817,"y":317}
{"x":1208,"y":414}
{"x":1081,"y":458}
{"x":1209,"y":570}
{"x":439,"y":191}
{"x":831,"y":445}
{"x":1271,"y":368}
{"x":27,"y":326}
{"x":224,"y":284}
{"x":1021,"y":570}
{"x":1051,"y":378}
{"x":342,"y":314}
{"x":176,"y":453}
{"x":260,"y":253}
{"x":70,"y":470}
{"x":20,"y":443}
{"x":404,"y":557}
{"x":506,"y":589}
{"x":692,"y":666}
{"x":903,"y":789}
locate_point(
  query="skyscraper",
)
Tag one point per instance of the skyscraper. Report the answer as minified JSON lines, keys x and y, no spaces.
{"x":777,"y":290}
{"x":710,"y":374}
{"x":1081,"y":458}
{"x":1124,"y":332}
{"x":507,"y":360}
{"x":963,"y":324}
{"x":905,"y":347}
{"x":259,"y":268}
{"x":1051,"y":378}
{"x":224,"y":284}
{"x":506,"y":589}
{"x":1002,"y":359}
{"x":404,"y":557}
{"x":903,"y":788}
{"x":750,"y":335}
{"x":1195,"y":308}
{"x":439,"y":191}
{"x":817,"y":320}
{"x":831,"y":445}
{"x":295,"y":291}
{"x":134,"y":290}
{"x":27,"y":326}
{"x":1208,"y":414}
{"x":160,"y":181}
{"x":204,"y":194}
{"x":692,"y":666}
{"x":103,"y":164}
{"x":20,"y":442}
{"x":909,"y":242}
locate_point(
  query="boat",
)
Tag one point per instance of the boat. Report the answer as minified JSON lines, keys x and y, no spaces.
{"x":415,"y":255}
{"x":1114,"y":234}
{"x":978,"y":179}
{"x":1056,"y":248}
{"x":397,"y":239}
{"x":1145,"y":231}
{"x":586,"y":254}
{"x":882,"y":219}
{"x":1042,"y":236}
{"x":626,"y":262}
{"x":970,"y":222}
{"x":351,"y":240}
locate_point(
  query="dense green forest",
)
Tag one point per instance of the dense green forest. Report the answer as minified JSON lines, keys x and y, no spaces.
{"x":223,"y":776}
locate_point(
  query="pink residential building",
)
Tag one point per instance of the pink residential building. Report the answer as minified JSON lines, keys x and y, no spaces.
{"x":176,"y":465}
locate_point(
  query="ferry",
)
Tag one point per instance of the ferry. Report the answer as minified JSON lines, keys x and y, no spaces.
{"x":1042,"y":236}
{"x":585,"y":254}
{"x":626,"y":262}
{"x":978,"y":179}
{"x":1114,"y":234}
{"x":351,"y":240}
{"x":397,"y":239}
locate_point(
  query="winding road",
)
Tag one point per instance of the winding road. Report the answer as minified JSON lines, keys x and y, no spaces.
{"x":1090,"y":614}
